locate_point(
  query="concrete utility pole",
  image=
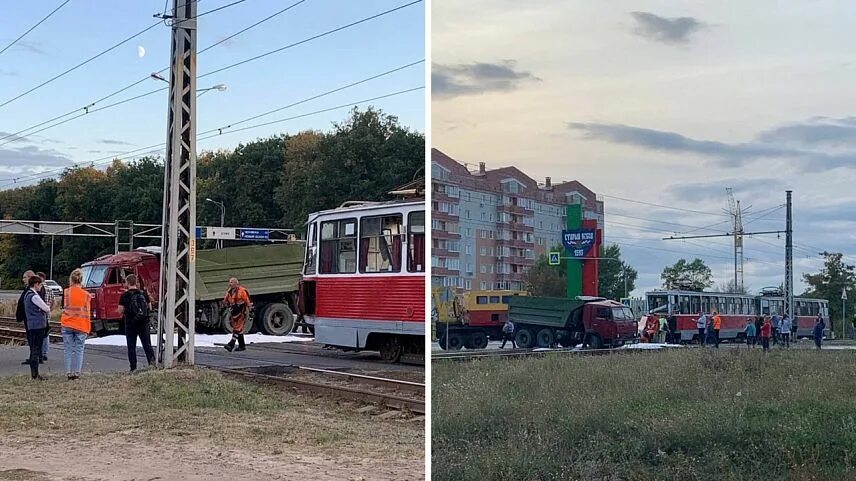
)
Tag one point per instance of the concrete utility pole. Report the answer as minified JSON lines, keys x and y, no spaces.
{"x":176,"y":311}
{"x":789,"y":259}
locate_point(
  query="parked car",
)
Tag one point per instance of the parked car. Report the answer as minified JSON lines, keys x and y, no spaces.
{"x":54,"y":287}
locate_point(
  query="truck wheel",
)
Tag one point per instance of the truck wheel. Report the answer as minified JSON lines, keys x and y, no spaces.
{"x":595,"y":342}
{"x":524,"y":338}
{"x":477,"y":340}
{"x":226,"y":323}
{"x":276,"y":320}
{"x":453,"y":343}
{"x":545,"y":337}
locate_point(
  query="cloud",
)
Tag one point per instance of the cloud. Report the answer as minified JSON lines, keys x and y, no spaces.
{"x":665,"y":30}
{"x":448,"y":81}
{"x":30,"y":160}
{"x":725,"y":154}
{"x":707,"y":192}
{"x":818,"y":131}
{"x":7,"y":73}
{"x":113,"y":142}
{"x":31,"y":47}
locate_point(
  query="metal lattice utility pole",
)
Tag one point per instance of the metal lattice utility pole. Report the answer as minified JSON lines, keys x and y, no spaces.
{"x":176,"y":311}
{"x":789,"y":260}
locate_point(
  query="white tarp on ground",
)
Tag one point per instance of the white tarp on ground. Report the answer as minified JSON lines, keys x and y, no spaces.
{"x":206,"y":340}
{"x":650,"y":345}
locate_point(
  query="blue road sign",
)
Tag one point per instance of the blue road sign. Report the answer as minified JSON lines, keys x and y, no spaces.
{"x":255,"y":234}
{"x":199,"y":232}
{"x":553,"y":259}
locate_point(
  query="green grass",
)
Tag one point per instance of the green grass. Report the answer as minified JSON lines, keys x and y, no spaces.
{"x":199,"y":403}
{"x":688,"y":414}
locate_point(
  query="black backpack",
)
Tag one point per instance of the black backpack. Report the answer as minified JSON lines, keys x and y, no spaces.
{"x":139,"y":307}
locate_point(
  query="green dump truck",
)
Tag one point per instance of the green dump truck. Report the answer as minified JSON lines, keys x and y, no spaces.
{"x":592,"y":321}
{"x":270,"y":273}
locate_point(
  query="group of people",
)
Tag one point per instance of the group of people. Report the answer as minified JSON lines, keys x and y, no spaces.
{"x":779,"y":330}
{"x":34,"y":311}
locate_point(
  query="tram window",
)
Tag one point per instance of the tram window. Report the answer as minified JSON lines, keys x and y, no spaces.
{"x":505,"y":299}
{"x":311,"y":250}
{"x":695,"y":305}
{"x":338,"y":247}
{"x":380,"y":243}
{"x":481,"y":299}
{"x":416,"y":242}
{"x":684,"y":303}
{"x":656,"y":301}
{"x":494,"y":299}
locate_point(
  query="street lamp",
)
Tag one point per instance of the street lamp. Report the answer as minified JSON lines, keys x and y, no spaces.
{"x":222,"y":217}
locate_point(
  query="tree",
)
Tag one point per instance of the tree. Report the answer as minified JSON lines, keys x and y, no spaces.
{"x":694,"y":276}
{"x":611,"y":275}
{"x":730,"y":287}
{"x":829,"y":282}
{"x":546,"y":280}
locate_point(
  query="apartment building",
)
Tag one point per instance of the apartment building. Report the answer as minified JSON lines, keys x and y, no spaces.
{"x":488,"y":227}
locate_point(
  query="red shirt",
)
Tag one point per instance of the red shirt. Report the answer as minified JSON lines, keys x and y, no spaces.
{"x":766,"y":329}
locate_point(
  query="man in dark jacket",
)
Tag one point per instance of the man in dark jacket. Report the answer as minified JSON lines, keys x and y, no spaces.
{"x":20,"y":311}
{"x":37,"y":323}
{"x":135,"y":306}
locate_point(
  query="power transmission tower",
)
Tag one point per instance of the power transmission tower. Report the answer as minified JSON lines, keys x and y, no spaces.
{"x":176,"y":311}
{"x":789,"y":260}
{"x":737,"y":228}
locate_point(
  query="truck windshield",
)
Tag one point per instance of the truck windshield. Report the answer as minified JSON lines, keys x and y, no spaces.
{"x":93,"y":276}
{"x":622,"y":314}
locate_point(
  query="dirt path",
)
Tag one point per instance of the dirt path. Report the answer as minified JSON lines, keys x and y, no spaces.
{"x":124,"y":457}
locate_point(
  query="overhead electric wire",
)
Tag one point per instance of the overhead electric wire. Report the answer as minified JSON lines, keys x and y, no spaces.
{"x":110,"y":49}
{"x":51,"y":172}
{"x":314,"y":97}
{"x":664,"y":206}
{"x":320,"y":35}
{"x":7,"y":47}
{"x":329,"y":32}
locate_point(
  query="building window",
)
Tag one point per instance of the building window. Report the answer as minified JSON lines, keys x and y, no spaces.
{"x":483,"y":251}
{"x":483,"y":268}
{"x":416,"y":242}
{"x":380,"y":243}
{"x":338,"y":247}
{"x":468,"y":285}
{"x":483,"y":285}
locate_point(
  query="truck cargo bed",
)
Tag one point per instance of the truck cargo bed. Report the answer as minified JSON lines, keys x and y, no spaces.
{"x":541,"y":311}
{"x":262,"y":269}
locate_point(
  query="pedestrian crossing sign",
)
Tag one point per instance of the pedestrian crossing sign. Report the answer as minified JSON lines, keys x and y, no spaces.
{"x":553,"y":259}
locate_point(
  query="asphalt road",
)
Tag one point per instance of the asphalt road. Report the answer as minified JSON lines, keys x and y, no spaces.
{"x":9,"y":295}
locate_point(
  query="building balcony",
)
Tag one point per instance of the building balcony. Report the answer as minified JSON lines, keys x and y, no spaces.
{"x":444,"y":253}
{"x":443,"y":197}
{"x":444,"y":216}
{"x":442,"y":234}
{"x":514,"y":209}
{"x":514,"y":276}
{"x":520,"y":243}
{"x":442,"y":271}
{"x":519,"y":260}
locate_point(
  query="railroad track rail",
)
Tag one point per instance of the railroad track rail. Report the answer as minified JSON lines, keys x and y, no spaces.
{"x":18,"y":336}
{"x":394,"y":394}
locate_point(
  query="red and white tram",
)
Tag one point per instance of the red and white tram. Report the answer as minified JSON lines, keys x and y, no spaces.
{"x":734,"y":309}
{"x":363,"y":282}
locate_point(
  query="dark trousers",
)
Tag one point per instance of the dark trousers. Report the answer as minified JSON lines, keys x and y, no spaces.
{"x":716,"y":338}
{"x":701,"y":336}
{"x":750,"y":341}
{"x":775,"y":335}
{"x":786,"y":338}
{"x":134,"y":330}
{"x":35,"y":338}
{"x":508,"y":337}
{"x":765,"y":343}
{"x":817,"y":341}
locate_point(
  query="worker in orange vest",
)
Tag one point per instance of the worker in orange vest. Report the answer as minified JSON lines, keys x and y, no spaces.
{"x":238,"y":301}
{"x":76,"y":324}
{"x":717,"y":324}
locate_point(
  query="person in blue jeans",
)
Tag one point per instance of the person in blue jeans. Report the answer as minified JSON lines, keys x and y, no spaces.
{"x":76,"y":324}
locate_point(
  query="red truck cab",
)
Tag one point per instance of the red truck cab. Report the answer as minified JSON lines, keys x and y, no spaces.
{"x":104,"y":279}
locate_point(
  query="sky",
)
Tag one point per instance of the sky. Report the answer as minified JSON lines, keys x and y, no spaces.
{"x":668,"y":103}
{"x":82,"y":29}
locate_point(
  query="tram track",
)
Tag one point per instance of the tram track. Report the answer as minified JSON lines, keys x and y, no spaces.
{"x":13,"y":332}
{"x":388,"y":393}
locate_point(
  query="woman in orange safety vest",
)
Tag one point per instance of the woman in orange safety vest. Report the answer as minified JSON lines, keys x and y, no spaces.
{"x":76,"y":324}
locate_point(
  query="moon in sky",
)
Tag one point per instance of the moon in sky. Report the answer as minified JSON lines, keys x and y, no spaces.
{"x":141,"y":52}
